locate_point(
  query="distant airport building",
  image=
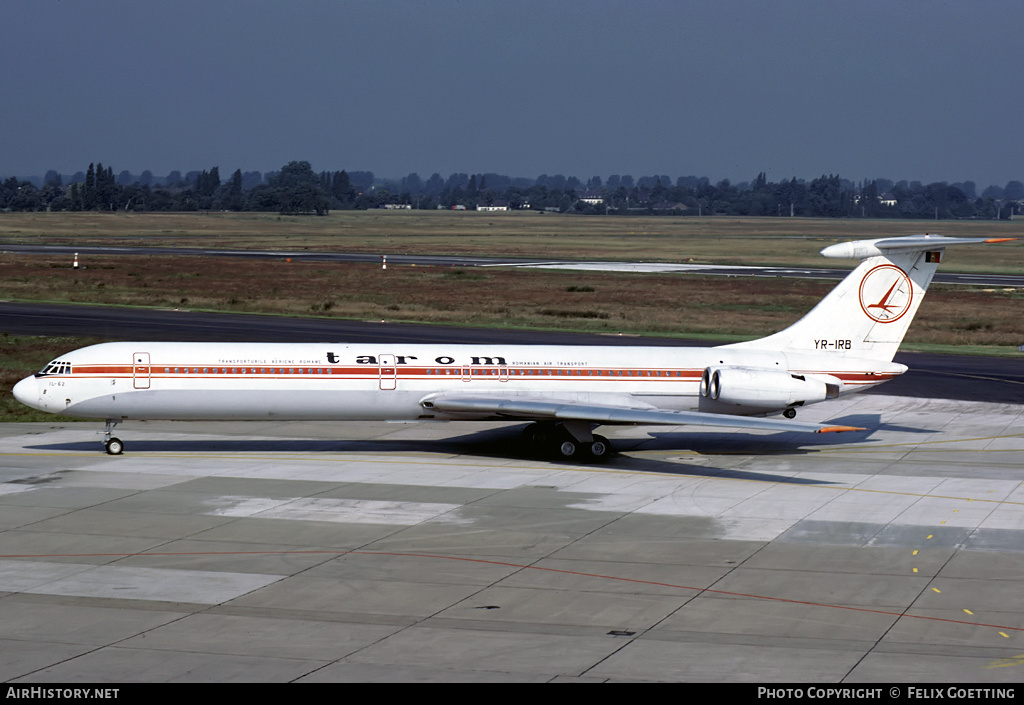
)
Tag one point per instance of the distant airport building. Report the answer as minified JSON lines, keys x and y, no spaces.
{"x":886,"y":199}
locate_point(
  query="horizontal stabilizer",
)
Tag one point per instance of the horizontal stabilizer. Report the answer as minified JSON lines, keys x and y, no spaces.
{"x":860,"y":249}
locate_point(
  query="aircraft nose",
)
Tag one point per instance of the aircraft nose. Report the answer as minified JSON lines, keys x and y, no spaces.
{"x":26,"y":392}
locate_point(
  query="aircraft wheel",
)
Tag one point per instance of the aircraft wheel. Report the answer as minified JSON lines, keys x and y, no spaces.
{"x":600,"y":449}
{"x":789,"y":413}
{"x":114,"y":446}
{"x":568,"y":449}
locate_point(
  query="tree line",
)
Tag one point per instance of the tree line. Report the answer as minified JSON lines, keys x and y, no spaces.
{"x":298,"y":189}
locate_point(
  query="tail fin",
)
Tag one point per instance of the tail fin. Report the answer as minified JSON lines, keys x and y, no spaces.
{"x":869,"y":312}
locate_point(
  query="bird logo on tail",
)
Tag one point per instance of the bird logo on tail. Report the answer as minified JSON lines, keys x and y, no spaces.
{"x":885,"y":293}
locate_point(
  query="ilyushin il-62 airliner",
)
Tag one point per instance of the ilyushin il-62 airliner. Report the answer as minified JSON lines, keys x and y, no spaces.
{"x":845,"y":344}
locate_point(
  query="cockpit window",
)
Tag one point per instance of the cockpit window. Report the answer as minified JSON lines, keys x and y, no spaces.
{"x":56,"y":367}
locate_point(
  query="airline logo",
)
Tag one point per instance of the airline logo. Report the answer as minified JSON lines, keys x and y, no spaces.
{"x":885,"y":293}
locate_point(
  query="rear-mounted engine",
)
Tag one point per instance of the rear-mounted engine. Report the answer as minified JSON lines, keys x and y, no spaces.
{"x":756,"y":390}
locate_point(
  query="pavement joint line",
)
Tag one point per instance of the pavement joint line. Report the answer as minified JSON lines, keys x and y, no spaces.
{"x":520,"y":566}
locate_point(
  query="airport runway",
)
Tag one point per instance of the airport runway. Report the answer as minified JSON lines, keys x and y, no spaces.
{"x":987,"y":280}
{"x":436,"y":552}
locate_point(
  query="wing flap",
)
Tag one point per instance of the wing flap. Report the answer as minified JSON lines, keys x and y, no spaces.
{"x":555,"y":410}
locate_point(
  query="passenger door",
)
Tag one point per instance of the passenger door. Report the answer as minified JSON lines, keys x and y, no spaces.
{"x":141,"y":370}
{"x":388,"y":371}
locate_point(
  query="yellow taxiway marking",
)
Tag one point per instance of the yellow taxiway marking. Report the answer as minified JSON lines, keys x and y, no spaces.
{"x":987,"y":379}
{"x":1017,"y":660}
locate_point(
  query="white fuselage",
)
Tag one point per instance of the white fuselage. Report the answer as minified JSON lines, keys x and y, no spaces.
{"x":325,"y":381}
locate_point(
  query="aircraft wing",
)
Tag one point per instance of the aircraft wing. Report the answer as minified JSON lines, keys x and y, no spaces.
{"x":555,"y":410}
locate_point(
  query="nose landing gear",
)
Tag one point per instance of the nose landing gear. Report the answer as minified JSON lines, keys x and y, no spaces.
{"x":113,"y":446}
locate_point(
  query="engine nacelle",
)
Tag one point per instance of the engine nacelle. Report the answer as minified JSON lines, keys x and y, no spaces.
{"x":758,"y":390}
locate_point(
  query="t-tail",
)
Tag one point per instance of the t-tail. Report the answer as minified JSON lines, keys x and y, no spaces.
{"x":869,"y":312}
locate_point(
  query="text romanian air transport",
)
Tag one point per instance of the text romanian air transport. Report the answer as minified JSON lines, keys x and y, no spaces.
{"x":845,"y":344}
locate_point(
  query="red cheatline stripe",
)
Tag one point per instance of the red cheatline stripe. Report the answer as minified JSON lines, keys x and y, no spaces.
{"x":87,"y":372}
{"x":616,"y":374}
{"x":507,"y":564}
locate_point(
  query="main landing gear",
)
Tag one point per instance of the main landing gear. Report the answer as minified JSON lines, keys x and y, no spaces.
{"x":571,"y":440}
{"x":113,"y":446}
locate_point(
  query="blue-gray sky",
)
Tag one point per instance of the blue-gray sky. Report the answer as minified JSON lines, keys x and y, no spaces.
{"x":903,"y":89}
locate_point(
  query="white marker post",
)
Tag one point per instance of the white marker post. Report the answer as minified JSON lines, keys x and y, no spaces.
{"x":385,"y":262}
{"x":75,"y":264}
